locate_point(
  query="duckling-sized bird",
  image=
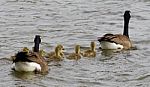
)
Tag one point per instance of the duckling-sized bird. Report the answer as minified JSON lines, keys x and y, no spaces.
{"x":91,"y":52}
{"x":42,"y":53}
{"x":117,"y":41}
{"x":57,"y":55}
{"x":76,"y":55}
{"x":32,"y":62}
{"x":61,"y":49}
{"x":25,"y":49}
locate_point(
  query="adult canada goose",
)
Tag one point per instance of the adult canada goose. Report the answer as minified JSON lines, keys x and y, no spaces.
{"x":90,"y":52}
{"x":57,"y":55}
{"x":76,"y":55}
{"x":29,"y":62}
{"x":117,"y":41}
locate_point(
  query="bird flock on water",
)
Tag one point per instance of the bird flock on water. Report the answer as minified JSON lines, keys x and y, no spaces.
{"x":37,"y":60}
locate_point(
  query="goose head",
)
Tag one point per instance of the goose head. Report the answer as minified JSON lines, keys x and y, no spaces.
{"x":127,"y":15}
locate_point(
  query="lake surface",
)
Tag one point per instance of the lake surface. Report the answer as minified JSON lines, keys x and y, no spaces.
{"x":71,"y":22}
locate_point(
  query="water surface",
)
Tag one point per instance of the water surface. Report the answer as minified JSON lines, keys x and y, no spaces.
{"x":71,"y":22}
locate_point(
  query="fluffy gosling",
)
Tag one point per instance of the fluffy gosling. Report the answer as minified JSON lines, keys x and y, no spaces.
{"x":76,"y":55}
{"x":57,"y":55}
{"x":90,"y":52}
{"x":61,"y":51}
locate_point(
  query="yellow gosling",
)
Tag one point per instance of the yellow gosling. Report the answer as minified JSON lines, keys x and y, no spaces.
{"x":91,"y":52}
{"x":54,"y":52}
{"x":55,"y":56}
{"x":25,"y":49}
{"x":42,"y":53}
{"x":76,"y":55}
{"x":61,"y":49}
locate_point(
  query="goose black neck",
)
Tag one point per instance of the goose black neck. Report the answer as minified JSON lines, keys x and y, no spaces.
{"x":37,"y":41}
{"x":126,"y":23}
{"x":126,"y":31}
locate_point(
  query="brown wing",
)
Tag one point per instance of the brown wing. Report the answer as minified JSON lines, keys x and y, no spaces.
{"x":35,"y":57}
{"x":118,"y":39}
{"x":107,"y":37}
{"x":123,"y":40}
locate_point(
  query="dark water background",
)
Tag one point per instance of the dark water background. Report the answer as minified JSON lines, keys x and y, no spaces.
{"x":71,"y":22}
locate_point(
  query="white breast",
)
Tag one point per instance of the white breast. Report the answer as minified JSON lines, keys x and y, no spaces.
{"x":110,"y":45}
{"x":26,"y":66}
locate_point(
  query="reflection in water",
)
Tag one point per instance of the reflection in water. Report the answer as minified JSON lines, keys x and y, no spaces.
{"x":24,"y":75}
{"x":110,"y":52}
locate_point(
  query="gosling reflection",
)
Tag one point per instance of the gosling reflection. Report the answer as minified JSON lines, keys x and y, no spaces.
{"x":24,"y":75}
{"x":110,"y":52}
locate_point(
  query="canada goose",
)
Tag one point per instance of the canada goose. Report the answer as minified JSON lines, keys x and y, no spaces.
{"x":117,"y":41}
{"x":76,"y":55}
{"x":29,"y":62}
{"x":57,"y":55}
{"x":90,"y":52}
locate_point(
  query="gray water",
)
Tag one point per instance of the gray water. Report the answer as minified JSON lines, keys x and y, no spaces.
{"x":71,"y":22}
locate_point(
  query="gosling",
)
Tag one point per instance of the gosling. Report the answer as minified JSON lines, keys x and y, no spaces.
{"x":76,"y":55}
{"x":61,"y":51}
{"x":57,"y":55}
{"x":90,"y":52}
